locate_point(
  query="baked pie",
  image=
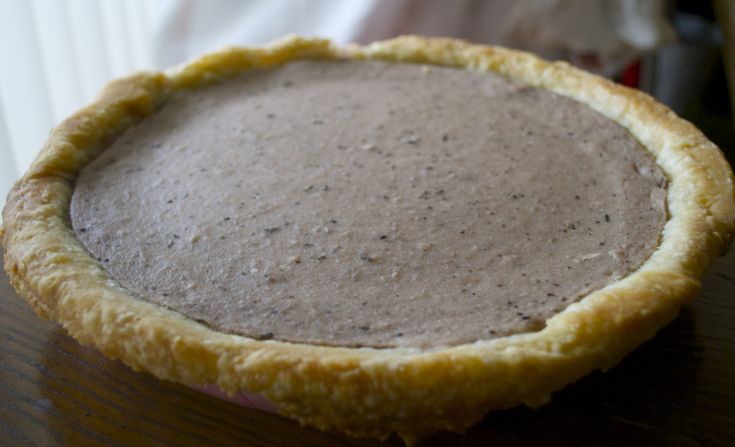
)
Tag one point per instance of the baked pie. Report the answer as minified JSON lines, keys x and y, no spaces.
{"x":396,"y":237}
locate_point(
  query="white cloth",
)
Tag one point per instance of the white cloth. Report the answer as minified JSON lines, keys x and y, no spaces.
{"x":602,"y":35}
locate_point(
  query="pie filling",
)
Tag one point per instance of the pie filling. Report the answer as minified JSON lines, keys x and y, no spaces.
{"x":370,"y":204}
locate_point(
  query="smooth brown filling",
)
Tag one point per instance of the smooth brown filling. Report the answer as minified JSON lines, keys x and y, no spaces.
{"x":370,"y":204}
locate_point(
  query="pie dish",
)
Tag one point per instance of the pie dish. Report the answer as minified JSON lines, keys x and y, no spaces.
{"x":371,"y":384}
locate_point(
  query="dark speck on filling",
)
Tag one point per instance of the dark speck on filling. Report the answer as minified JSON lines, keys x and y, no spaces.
{"x":370,"y":204}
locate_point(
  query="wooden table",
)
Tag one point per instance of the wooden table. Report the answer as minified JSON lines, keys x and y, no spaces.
{"x":676,"y":390}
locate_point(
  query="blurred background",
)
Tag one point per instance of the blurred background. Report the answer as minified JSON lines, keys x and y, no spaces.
{"x":56,"y":54}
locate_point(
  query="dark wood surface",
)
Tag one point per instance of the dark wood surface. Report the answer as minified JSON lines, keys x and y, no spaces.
{"x":676,"y":390}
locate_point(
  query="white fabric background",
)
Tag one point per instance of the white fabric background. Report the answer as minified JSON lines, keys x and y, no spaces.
{"x":614,"y":31}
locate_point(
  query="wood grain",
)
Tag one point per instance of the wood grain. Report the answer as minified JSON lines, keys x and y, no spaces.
{"x":676,"y":390}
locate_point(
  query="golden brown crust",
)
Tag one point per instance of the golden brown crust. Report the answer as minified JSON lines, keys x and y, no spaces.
{"x":369,"y":391}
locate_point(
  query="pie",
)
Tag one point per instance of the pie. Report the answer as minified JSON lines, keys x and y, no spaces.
{"x":390,"y":238}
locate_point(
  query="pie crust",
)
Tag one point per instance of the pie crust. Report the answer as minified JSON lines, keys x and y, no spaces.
{"x":367,"y":391}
